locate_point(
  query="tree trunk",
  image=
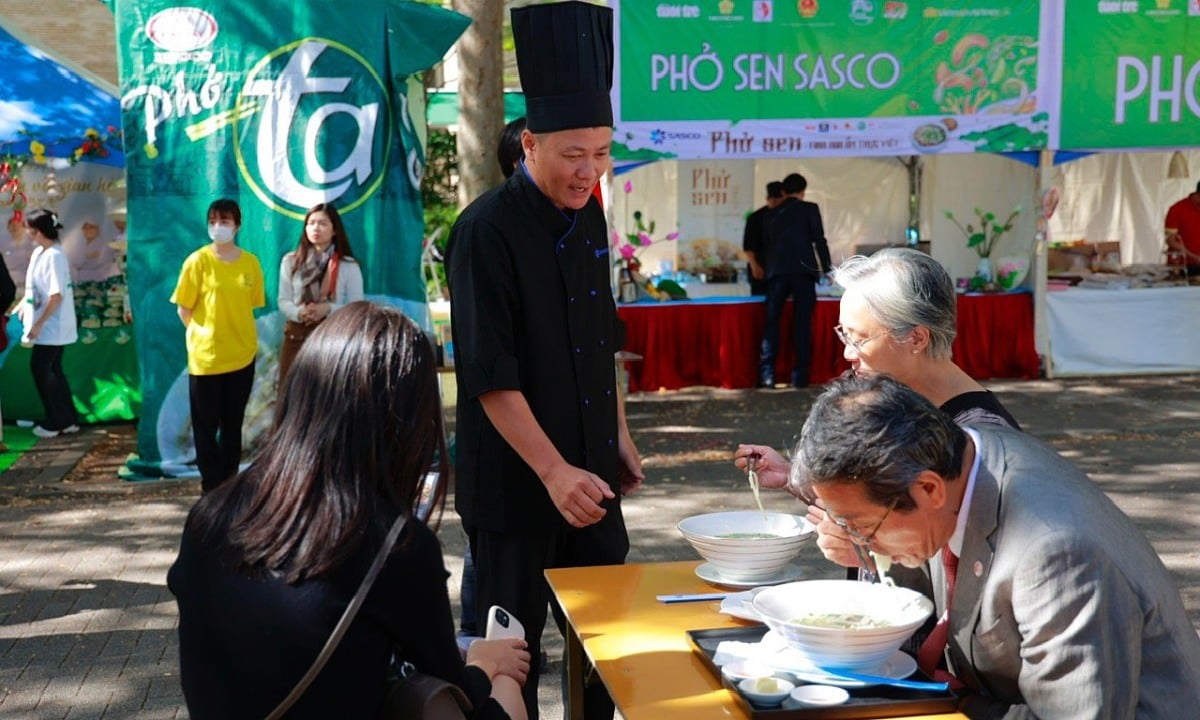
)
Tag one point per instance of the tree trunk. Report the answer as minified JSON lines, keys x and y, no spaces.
{"x":480,"y":97}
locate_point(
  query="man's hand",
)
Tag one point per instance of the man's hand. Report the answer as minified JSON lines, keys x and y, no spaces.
{"x":771,"y":467}
{"x":834,"y":543}
{"x":577,"y":494}
{"x":630,"y":473}
{"x":757,"y":271}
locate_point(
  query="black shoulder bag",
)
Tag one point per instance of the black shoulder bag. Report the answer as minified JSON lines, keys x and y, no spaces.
{"x":414,"y":695}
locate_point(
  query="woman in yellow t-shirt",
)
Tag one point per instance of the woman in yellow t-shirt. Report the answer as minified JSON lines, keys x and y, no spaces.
{"x":219,"y":287}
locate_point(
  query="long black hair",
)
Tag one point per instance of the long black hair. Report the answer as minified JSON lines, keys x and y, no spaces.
{"x":341,"y":243}
{"x":357,"y":429}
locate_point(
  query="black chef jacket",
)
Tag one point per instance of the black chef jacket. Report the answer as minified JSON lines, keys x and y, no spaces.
{"x":531,"y":310}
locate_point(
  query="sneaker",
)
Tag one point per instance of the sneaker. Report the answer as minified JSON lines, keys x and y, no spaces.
{"x":44,"y":433}
{"x":70,"y":430}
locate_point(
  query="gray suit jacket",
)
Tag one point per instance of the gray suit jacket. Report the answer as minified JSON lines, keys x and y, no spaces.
{"x":1062,"y":608}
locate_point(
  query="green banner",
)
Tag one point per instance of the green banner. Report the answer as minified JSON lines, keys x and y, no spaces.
{"x":279,"y":106}
{"x":1131,"y":74}
{"x":713,"y":78}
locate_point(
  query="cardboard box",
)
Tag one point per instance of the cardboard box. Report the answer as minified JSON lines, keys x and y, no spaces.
{"x":1068,"y":259}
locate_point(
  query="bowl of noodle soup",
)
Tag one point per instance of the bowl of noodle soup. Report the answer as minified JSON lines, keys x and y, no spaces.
{"x":843,"y":624}
{"x":747,"y":545}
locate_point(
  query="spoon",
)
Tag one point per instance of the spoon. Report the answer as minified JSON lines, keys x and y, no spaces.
{"x":884,"y":680}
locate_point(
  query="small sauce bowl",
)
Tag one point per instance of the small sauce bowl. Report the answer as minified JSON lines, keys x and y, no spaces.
{"x":765,"y":691}
{"x":819,"y":695}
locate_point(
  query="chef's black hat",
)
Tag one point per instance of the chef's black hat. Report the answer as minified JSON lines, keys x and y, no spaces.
{"x":565,"y":59}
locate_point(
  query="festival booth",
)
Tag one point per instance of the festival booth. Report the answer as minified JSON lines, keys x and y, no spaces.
{"x":713,"y":106}
{"x":1130,"y":94}
{"x":60,"y":149}
{"x":708,"y":110}
{"x":279,"y":108}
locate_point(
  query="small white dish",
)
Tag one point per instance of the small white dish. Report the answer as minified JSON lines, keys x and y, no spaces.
{"x":819,"y":695}
{"x":710,"y":574}
{"x":765,"y":691}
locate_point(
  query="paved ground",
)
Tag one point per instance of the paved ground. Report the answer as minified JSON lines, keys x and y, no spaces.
{"x":87,"y":627}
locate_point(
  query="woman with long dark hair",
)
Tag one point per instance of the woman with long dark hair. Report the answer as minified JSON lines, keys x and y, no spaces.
{"x":269,"y":561}
{"x":318,"y":277}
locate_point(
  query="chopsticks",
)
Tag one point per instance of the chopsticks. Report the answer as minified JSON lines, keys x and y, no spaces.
{"x":868,"y":572}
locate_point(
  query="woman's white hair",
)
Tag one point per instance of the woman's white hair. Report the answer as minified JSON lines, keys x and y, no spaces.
{"x":905,"y":288}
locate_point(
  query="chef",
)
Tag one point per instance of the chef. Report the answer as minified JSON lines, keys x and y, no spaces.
{"x":543,"y":451}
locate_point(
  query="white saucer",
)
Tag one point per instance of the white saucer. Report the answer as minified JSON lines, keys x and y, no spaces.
{"x":708,"y":573}
{"x":897,"y":667}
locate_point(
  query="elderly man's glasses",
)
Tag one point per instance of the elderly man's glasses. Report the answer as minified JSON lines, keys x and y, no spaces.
{"x":855,"y":345}
{"x":857,"y":535}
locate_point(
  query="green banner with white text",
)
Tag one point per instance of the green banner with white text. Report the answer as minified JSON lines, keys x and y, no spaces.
{"x":1131,"y":74}
{"x":279,"y":106}
{"x":771,"y":78}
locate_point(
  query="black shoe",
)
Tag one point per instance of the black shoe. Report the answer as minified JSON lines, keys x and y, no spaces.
{"x":799,"y":380}
{"x":799,"y":385}
{"x":766,"y":382}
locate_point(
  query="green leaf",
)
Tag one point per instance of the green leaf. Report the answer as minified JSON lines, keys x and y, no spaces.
{"x":976,"y":239}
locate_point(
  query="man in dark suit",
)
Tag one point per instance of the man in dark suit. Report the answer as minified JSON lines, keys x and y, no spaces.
{"x":797,"y":256}
{"x":754,"y":242}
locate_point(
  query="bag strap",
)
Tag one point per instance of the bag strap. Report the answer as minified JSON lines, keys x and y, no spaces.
{"x":344,"y":623}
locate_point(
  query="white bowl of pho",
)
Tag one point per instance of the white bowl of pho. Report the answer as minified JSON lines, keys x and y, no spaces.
{"x":843,"y":624}
{"x":747,"y":546}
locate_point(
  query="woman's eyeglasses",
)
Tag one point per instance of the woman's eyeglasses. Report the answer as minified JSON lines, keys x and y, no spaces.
{"x":855,"y":345}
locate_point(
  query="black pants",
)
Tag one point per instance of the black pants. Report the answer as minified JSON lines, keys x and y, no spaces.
{"x":802,"y":287}
{"x":45,"y":363}
{"x":218,"y":404}
{"x":509,"y":571}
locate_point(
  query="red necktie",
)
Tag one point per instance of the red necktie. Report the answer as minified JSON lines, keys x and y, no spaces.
{"x":929,"y":657}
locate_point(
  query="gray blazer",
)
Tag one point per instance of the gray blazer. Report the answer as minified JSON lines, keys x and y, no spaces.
{"x":1062,"y":608}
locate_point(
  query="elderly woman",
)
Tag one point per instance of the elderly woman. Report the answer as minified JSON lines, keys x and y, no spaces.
{"x":898,"y":317}
{"x":270,"y":559}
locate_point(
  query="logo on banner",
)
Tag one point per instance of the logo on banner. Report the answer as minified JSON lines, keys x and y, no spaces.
{"x":314,"y":127}
{"x":893,"y":10}
{"x":764,"y":11}
{"x":1109,"y":7}
{"x":862,"y":12}
{"x":1194,"y":8}
{"x":807,"y":8}
{"x":181,"y":29}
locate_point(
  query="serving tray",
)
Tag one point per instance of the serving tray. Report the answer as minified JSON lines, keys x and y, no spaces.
{"x":865,"y":702}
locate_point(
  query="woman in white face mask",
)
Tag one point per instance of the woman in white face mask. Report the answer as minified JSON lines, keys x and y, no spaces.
{"x":219,"y":287}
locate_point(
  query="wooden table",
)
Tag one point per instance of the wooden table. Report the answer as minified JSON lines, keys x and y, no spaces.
{"x":639,"y":645}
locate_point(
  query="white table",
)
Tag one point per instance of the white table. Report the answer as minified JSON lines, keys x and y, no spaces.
{"x":1122,"y":332}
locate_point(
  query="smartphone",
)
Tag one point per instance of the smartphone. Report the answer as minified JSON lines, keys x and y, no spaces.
{"x":501,"y":624}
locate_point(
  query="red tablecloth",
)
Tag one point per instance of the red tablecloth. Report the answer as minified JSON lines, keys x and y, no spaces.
{"x":717,"y":343}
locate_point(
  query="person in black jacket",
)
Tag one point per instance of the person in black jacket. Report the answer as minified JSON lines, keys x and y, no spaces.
{"x":797,"y":256}
{"x":270,"y":559}
{"x":753,"y":240}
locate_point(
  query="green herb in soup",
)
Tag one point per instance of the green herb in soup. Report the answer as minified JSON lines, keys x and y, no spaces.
{"x":748,"y":536}
{"x":840,"y":621}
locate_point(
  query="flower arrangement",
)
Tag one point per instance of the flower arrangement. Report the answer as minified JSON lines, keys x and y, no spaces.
{"x":984,"y":239}
{"x":1011,"y":271}
{"x":638,"y":236}
{"x":94,"y":144}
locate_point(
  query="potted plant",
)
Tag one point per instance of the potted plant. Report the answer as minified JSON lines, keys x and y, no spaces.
{"x":983,"y":240}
